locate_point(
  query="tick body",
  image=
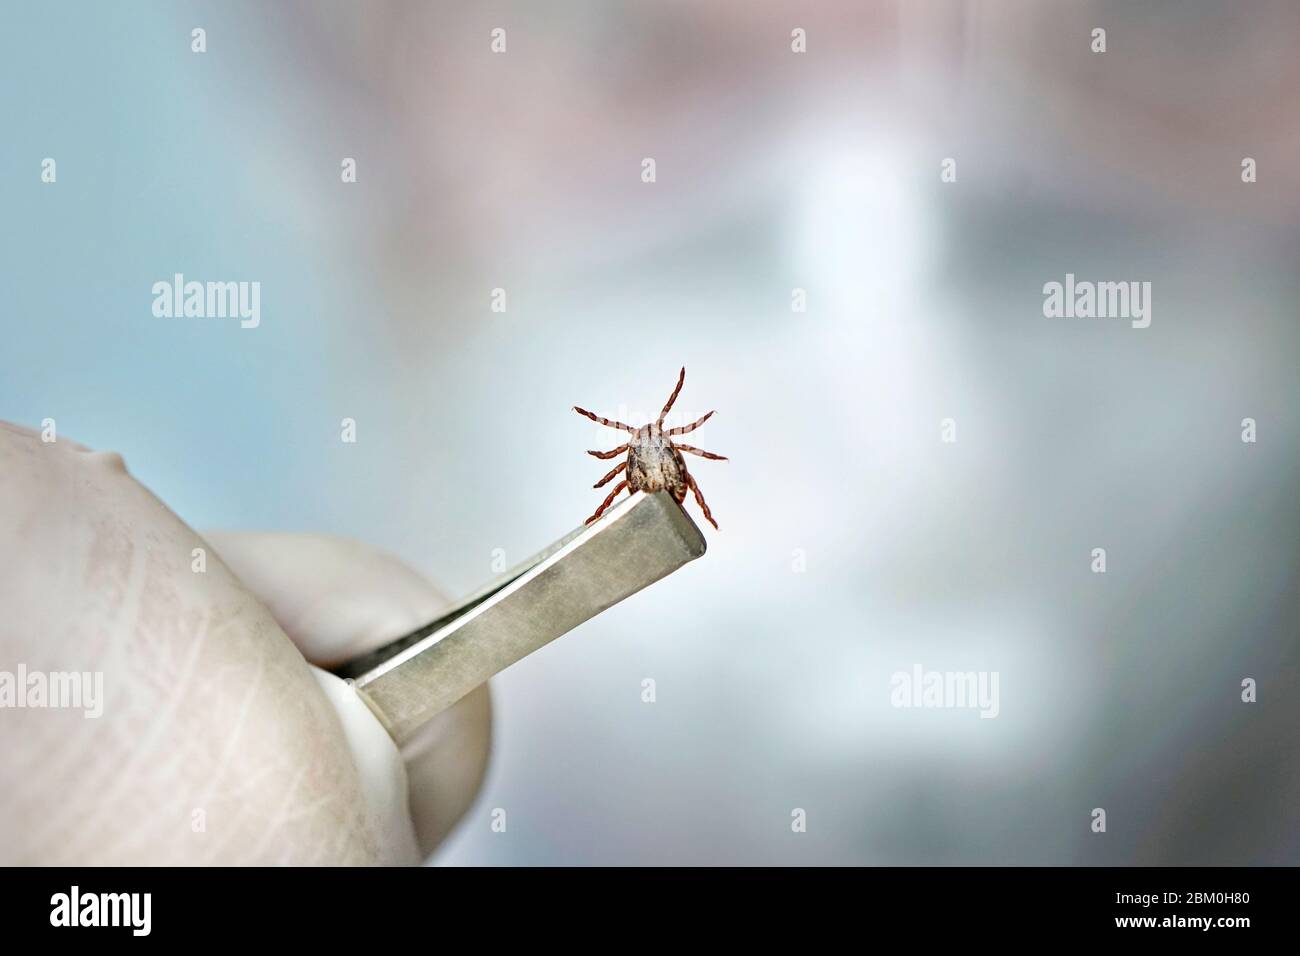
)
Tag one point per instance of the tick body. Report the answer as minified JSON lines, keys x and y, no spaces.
{"x":654,"y":461}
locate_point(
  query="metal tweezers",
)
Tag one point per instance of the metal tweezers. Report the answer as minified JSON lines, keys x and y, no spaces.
{"x":413,"y":678}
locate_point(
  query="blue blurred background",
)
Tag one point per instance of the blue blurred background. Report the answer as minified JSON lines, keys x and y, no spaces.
{"x":854,"y":543}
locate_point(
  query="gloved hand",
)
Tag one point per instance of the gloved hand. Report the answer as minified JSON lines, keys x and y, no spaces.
{"x":217,"y":740}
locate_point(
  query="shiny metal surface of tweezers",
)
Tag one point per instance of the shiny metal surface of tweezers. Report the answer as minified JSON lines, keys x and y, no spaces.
{"x":408,"y":681}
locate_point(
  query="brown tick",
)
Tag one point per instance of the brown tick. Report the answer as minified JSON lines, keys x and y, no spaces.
{"x":654,"y":462}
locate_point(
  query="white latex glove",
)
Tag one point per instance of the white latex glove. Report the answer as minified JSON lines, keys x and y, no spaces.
{"x":219,"y":741}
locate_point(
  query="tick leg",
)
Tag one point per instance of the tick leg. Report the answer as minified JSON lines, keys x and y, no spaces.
{"x":603,"y":421}
{"x":691,"y":427}
{"x":607,"y":478}
{"x":700,"y":451}
{"x":673,"y":397}
{"x":609,"y":454}
{"x":699,"y":499}
{"x":605,"y":504}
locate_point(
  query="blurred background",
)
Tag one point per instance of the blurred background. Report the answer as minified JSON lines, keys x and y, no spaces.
{"x":854,"y":543}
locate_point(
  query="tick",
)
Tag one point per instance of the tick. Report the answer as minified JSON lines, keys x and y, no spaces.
{"x":654,"y":461}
